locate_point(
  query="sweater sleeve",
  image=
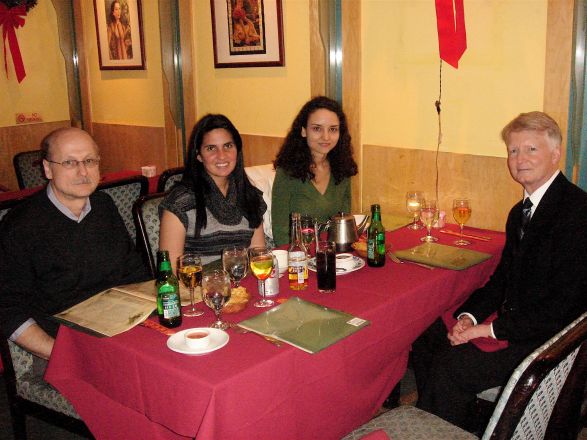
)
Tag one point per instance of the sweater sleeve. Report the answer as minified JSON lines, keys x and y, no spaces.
{"x":280,"y":207}
{"x":346,"y":200}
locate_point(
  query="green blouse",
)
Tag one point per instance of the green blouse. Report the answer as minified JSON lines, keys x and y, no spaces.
{"x":292,"y":195}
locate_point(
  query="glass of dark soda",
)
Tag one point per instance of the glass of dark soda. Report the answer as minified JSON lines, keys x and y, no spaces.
{"x":326,"y":266}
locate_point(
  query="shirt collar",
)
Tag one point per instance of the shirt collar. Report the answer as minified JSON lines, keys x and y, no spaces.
{"x":539,"y":193}
{"x":64,"y":209}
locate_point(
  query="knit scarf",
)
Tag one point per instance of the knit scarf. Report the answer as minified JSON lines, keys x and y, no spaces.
{"x":224,"y":209}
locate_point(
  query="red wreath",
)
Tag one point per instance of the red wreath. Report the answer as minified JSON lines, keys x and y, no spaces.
{"x":12,"y":13}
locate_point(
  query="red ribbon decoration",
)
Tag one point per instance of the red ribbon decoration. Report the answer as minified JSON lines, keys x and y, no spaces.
{"x":452,"y":35}
{"x":10,"y":20}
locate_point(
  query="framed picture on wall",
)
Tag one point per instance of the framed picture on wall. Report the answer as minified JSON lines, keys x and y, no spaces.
{"x":119,"y":29}
{"x":247,"y":33}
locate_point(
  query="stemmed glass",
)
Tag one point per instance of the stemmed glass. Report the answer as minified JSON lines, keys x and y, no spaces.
{"x":189,"y":271}
{"x":308,"y":233}
{"x":428,"y":215}
{"x":461,"y":211}
{"x":215,"y":293}
{"x":261,"y":262}
{"x":414,"y":200}
{"x":235,"y":261}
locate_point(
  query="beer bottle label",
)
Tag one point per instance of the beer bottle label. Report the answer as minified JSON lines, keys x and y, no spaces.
{"x":170,"y":303}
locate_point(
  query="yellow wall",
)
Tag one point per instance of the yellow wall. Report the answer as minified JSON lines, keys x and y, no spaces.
{"x":44,"y":89}
{"x":260,"y":101}
{"x":500,"y":75}
{"x":133,"y":97}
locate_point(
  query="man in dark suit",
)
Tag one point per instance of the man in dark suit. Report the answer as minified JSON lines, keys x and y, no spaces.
{"x":538,"y":287}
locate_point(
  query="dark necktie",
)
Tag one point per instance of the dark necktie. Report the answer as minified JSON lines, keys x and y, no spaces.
{"x":526,"y":214}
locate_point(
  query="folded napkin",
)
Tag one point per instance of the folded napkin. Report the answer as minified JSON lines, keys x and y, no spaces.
{"x":487,"y":345}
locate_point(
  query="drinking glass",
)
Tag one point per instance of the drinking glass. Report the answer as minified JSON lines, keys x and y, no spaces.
{"x":414,"y":200}
{"x":326,"y":266}
{"x":189,"y":271}
{"x":215,"y":293}
{"x":429,"y":214}
{"x":235,"y":261}
{"x":308,"y":232}
{"x":261,"y":262}
{"x":461,"y":211}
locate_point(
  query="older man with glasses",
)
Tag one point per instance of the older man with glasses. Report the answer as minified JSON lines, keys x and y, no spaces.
{"x":62,"y":245}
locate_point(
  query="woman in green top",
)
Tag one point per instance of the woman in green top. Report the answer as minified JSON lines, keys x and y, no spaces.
{"x":313,"y":167}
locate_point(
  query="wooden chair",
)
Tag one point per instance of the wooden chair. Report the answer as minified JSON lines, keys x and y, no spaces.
{"x":168,"y":178}
{"x":526,"y":403}
{"x":28,"y":168}
{"x":146,"y":216}
{"x":125,"y":192}
{"x":29,"y":394}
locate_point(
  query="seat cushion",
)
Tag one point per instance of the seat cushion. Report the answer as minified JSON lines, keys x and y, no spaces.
{"x":410,"y":423}
{"x":35,"y":389}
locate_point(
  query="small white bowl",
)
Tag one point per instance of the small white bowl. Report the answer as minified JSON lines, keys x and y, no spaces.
{"x":345,"y":261}
{"x":197,"y":338}
{"x":282,"y":260}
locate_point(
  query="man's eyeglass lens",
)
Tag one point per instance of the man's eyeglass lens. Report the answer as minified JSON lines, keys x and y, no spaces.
{"x":71,"y":163}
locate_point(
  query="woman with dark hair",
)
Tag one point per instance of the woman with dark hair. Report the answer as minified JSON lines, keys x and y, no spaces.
{"x":313,"y":167}
{"x":215,"y":205}
{"x":119,"y":35}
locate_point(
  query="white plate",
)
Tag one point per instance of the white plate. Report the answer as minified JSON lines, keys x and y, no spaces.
{"x":218,"y":339}
{"x":359,"y":263}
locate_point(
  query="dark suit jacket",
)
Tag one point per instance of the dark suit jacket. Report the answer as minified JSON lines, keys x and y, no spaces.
{"x":540,"y":284}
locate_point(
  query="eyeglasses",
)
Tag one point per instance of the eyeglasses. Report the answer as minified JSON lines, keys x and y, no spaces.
{"x":70,"y":164}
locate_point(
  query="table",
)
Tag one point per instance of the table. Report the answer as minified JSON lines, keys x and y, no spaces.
{"x":132,"y":386}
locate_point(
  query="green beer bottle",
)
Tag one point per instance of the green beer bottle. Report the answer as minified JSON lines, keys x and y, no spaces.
{"x":168,"y":299}
{"x":376,"y":239}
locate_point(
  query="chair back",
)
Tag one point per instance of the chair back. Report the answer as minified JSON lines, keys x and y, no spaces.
{"x":528,"y":399}
{"x":124,"y":193}
{"x":146,"y":217}
{"x":28,"y":168}
{"x":168,"y":178}
{"x":262,"y":176}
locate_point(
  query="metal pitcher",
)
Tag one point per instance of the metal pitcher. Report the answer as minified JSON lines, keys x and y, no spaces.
{"x":342,"y":229}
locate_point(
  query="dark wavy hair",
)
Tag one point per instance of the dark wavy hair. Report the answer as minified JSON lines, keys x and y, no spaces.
{"x":295,"y":157}
{"x":247,"y":196}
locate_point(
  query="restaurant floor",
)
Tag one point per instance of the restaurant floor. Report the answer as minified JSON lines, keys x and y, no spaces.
{"x":39,"y":430}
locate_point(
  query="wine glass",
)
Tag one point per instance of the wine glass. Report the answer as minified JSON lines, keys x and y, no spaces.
{"x":461,"y":211}
{"x":215,"y":293}
{"x":414,"y":200}
{"x":189,"y":271}
{"x":261,"y":262}
{"x":235,"y":261}
{"x":308,"y":233}
{"x":429,"y":214}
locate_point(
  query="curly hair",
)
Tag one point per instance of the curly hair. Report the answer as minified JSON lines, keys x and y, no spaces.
{"x":295,"y":157}
{"x":248,"y":199}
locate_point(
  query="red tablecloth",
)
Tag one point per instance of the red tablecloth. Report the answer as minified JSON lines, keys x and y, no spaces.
{"x":131,"y":386}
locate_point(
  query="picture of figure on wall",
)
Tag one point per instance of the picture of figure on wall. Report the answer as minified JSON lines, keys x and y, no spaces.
{"x":119,"y":30}
{"x":247,"y":33}
{"x":246,"y":26}
{"x":118,"y":27}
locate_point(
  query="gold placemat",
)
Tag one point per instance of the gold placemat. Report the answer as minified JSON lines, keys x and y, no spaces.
{"x":440,"y":255}
{"x":308,"y":326}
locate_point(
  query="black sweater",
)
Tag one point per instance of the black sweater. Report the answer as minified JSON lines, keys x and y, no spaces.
{"x":49,"y":262}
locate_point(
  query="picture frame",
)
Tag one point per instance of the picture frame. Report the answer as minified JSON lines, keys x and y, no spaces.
{"x":119,"y":31}
{"x":247,"y":33}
